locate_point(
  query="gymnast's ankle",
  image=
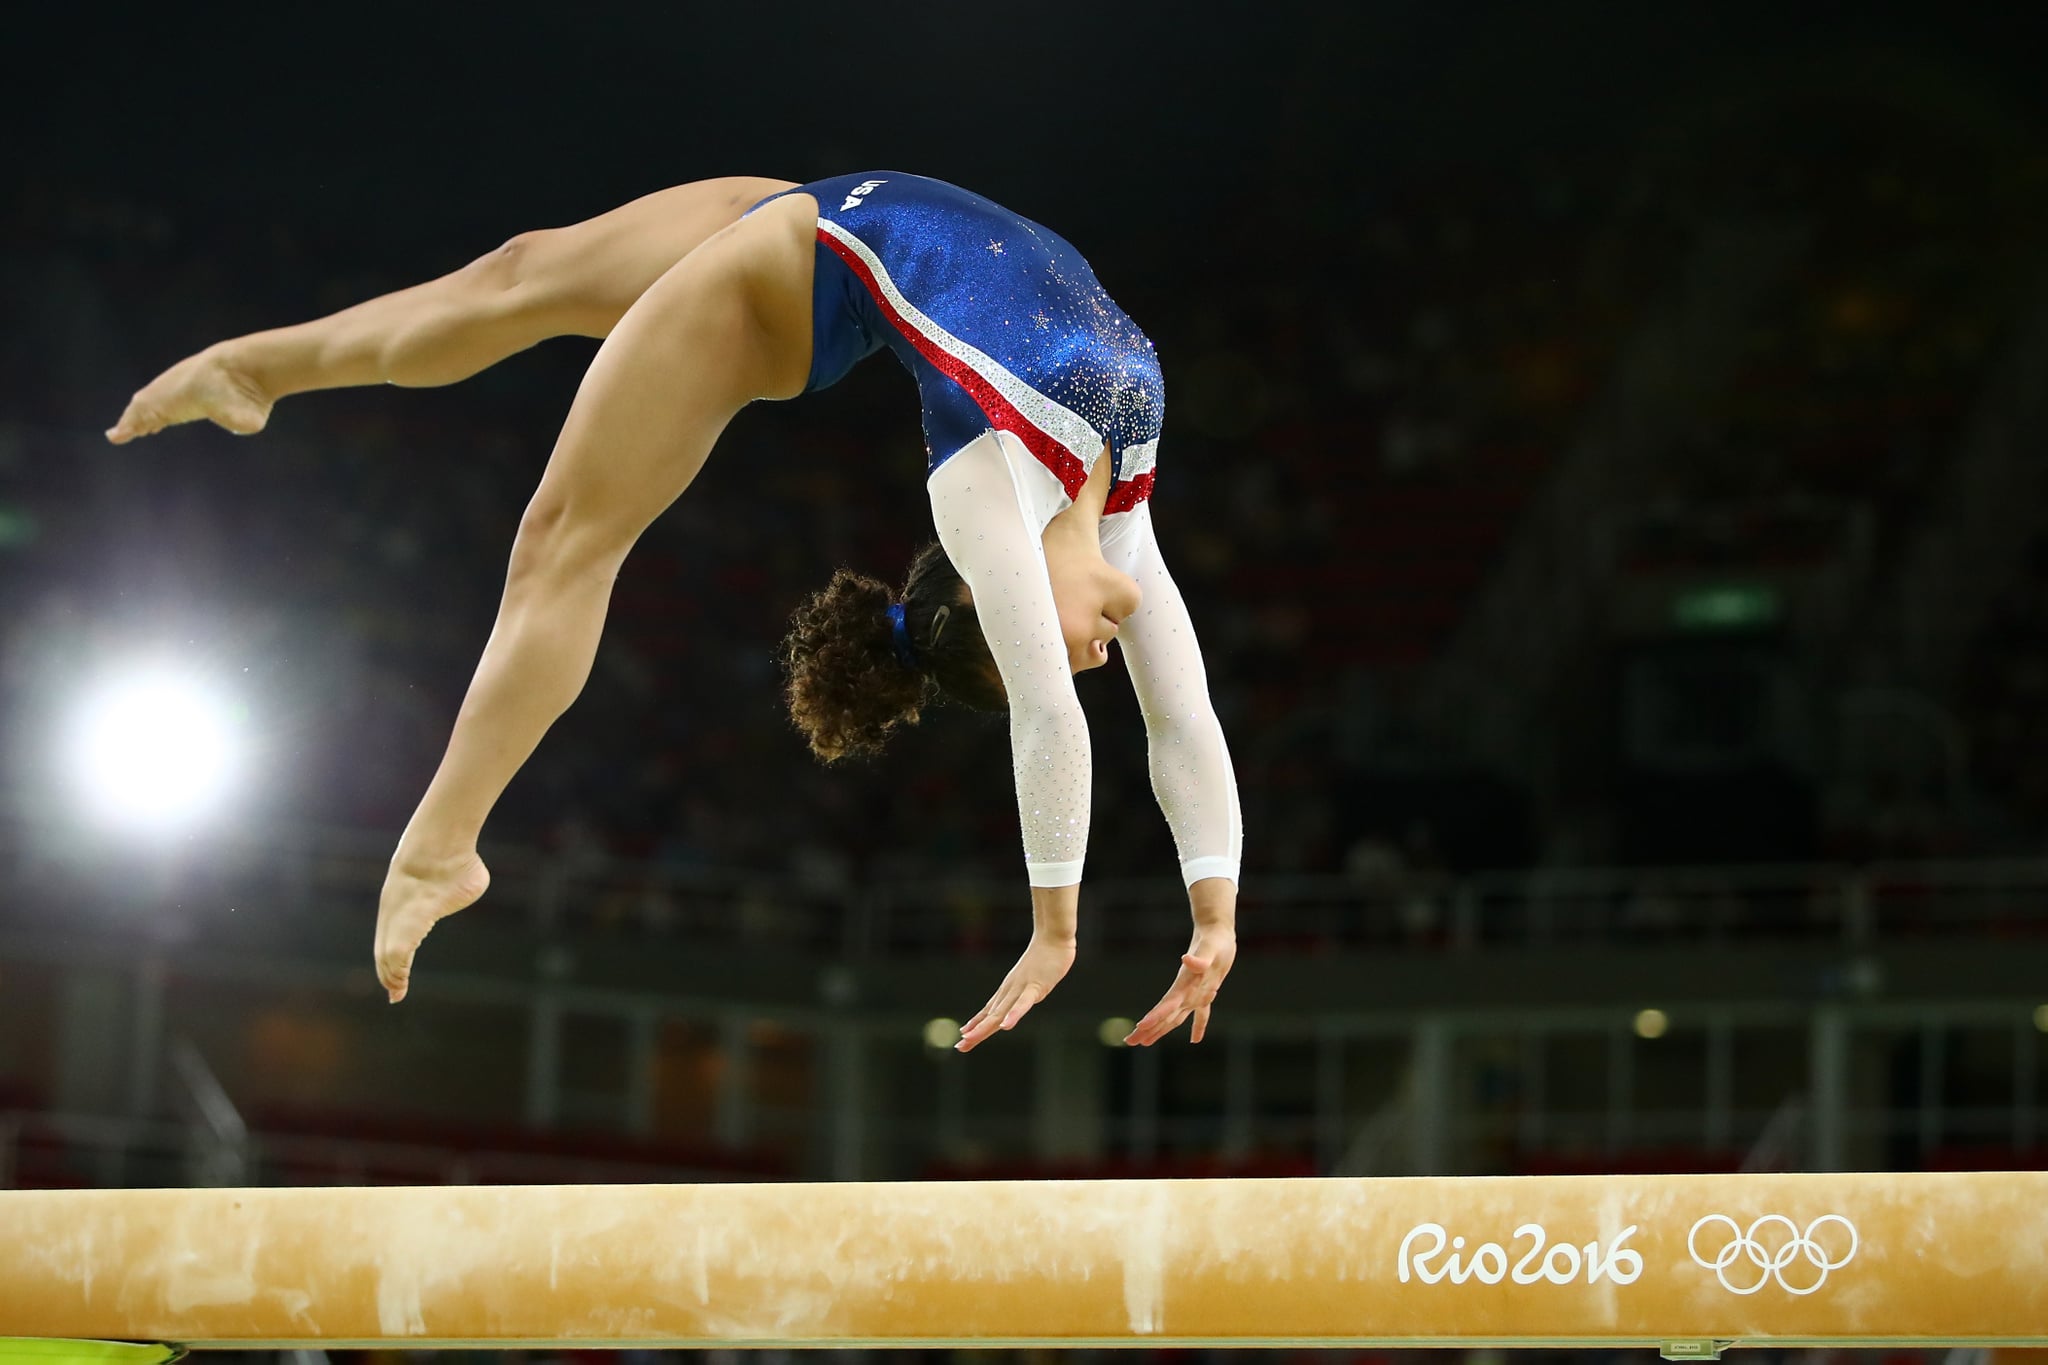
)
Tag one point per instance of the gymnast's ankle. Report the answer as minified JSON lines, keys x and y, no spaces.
{"x":433,"y":861}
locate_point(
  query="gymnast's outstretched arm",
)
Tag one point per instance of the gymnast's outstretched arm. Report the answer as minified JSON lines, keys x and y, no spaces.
{"x":979,"y":509}
{"x":569,"y":281}
{"x":1191,"y":772}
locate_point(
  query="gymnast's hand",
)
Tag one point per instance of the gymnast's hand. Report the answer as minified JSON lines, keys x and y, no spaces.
{"x":209,"y":385}
{"x":1046,"y":959}
{"x":419,"y":892}
{"x":1202,"y":967}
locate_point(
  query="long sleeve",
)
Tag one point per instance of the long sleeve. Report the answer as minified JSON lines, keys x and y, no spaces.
{"x":986,"y":502}
{"x":1191,"y":773}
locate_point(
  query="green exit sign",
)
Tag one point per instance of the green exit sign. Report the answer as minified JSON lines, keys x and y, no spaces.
{"x":1725,"y":606}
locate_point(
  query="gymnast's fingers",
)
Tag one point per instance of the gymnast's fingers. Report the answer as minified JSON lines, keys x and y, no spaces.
{"x":1148,"y":1028}
{"x":1189,"y":989}
{"x":1205,"y":1000}
{"x":1162,"y":1019}
{"x":983,"y":1025}
{"x":1026,"y":998}
{"x":988,"y":1013}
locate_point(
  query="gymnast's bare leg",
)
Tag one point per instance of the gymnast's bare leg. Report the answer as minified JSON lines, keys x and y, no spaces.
{"x":570,"y":281}
{"x":688,"y":343}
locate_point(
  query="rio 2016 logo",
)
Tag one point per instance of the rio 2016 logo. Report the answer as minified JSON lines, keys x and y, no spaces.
{"x":1490,"y":1262}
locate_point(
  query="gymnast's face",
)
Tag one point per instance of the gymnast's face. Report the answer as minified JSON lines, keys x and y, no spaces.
{"x":1093,"y":599}
{"x":1093,"y":602}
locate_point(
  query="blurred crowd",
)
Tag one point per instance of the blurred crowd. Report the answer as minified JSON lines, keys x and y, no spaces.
{"x":344,"y":565}
{"x":1911,"y":246}
{"x":1355,"y":422}
{"x":2007,"y":690}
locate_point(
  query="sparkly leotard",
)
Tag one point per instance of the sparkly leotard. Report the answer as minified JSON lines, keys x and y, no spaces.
{"x":1000,"y":319}
{"x":1028,"y":372}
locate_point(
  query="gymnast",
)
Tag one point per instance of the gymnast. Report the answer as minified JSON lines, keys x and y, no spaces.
{"x":1042,"y":408}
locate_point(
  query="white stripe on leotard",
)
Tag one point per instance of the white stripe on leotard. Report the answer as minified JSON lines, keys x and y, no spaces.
{"x":1063,"y":424}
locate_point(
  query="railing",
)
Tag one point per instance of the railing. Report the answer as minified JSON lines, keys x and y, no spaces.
{"x":49,"y":868}
{"x":44,"y":1149}
{"x":41,"y":1149}
{"x":1660,"y":1139}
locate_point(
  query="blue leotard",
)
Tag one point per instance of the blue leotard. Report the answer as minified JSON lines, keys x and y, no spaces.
{"x":1000,"y":319}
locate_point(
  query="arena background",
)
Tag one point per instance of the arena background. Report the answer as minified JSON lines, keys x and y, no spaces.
{"x":1604,"y":458}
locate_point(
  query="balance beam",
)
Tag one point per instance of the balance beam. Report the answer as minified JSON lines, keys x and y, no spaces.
{"x":1687,"y":1263}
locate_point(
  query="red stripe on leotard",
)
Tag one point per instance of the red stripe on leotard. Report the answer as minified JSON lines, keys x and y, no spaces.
{"x":1002,"y":415}
{"x":1125,"y":496}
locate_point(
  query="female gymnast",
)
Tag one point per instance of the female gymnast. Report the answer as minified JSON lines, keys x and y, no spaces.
{"x":1042,"y":409}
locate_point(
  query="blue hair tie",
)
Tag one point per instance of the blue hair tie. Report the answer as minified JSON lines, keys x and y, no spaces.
{"x":899,"y":634}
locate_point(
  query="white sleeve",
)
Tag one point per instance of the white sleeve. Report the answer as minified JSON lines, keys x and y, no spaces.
{"x":1191,"y":773}
{"x":979,"y":501}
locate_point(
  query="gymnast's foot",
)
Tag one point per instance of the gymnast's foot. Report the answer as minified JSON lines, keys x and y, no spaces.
{"x":207,"y":386}
{"x":418,"y":893}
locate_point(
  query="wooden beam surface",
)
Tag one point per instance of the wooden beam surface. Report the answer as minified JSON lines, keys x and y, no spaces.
{"x":1609,"y":1260}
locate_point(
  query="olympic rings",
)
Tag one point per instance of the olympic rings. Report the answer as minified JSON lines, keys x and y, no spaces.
{"x":1771,"y":1264}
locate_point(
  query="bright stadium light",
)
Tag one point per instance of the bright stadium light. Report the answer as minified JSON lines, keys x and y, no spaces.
{"x":154,"y":750}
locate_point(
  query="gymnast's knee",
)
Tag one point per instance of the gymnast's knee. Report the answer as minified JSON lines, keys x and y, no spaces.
{"x":517,"y":260}
{"x":555,"y":543}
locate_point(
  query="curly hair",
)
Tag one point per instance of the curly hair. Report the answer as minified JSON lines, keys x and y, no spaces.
{"x":848,"y":686}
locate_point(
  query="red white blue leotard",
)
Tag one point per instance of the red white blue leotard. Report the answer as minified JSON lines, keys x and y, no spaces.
{"x":1000,"y":319}
{"x":1028,"y":372}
